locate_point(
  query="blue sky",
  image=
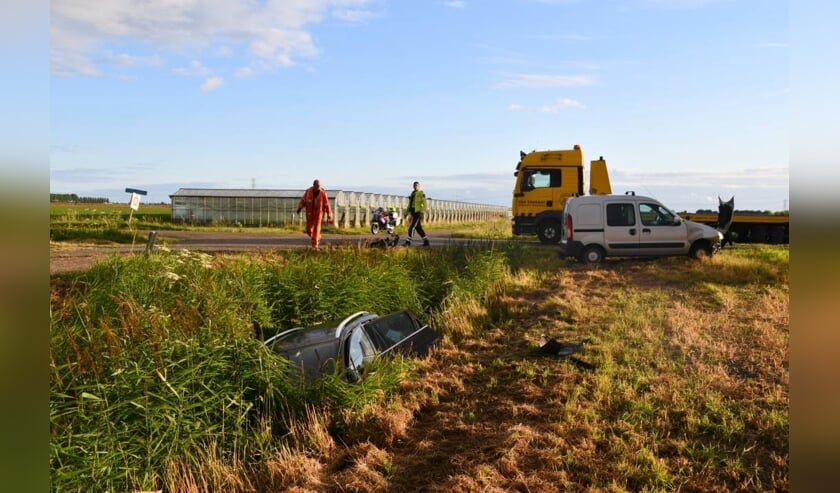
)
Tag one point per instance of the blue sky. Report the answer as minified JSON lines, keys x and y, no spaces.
{"x":687,"y":100}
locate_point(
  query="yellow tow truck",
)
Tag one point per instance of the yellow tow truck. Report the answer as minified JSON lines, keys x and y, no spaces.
{"x":544,"y":180}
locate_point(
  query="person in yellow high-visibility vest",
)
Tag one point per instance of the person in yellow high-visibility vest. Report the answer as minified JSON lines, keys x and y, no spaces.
{"x":417,"y":209}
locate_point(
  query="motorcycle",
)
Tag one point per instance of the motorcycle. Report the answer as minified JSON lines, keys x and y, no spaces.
{"x":384,"y":219}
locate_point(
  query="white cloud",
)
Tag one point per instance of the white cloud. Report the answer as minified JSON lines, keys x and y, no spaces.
{"x":772,"y":178}
{"x":212,"y":83}
{"x":195,"y":69}
{"x":455,"y":4}
{"x":275,"y":30}
{"x":69,"y":64}
{"x":554,"y":107}
{"x":355,"y":16}
{"x":279,"y":47}
{"x":539,"y":80}
{"x":126,"y":60}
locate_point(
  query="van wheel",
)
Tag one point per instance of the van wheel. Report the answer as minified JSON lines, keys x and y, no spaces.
{"x":700,"y":250}
{"x":593,"y":254}
{"x":549,"y":231}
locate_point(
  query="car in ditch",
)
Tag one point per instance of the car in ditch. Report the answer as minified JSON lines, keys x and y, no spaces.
{"x":350,"y":344}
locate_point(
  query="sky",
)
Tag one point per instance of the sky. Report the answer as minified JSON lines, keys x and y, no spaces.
{"x":687,"y":100}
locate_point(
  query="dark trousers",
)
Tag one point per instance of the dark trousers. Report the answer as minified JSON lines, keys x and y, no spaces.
{"x":416,"y":225}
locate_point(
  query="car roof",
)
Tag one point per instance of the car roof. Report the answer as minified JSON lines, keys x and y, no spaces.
{"x":311,"y":346}
{"x":305,"y":336}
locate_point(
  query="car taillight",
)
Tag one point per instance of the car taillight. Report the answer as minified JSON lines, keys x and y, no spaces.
{"x":570,"y":235}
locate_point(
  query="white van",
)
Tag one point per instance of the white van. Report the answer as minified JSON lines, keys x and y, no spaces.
{"x":598,"y":226}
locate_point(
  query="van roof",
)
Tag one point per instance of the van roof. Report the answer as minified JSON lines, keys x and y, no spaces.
{"x":599,"y":198}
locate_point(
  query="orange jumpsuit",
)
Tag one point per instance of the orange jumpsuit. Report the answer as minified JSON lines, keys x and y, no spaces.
{"x":315,"y":209}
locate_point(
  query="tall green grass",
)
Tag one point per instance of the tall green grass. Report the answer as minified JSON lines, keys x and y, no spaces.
{"x":156,"y":360}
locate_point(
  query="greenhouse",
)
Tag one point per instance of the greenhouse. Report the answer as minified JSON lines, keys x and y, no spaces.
{"x":264,"y":207}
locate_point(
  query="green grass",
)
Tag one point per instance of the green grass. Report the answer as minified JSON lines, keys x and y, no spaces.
{"x":64,"y":208}
{"x":153,"y":359}
{"x":159,"y":379}
{"x":115,"y":223}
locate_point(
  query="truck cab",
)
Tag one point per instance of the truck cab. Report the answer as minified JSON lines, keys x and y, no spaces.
{"x":595,"y":227}
{"x":544,"y":180}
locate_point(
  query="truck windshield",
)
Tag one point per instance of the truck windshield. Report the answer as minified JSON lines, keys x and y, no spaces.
{"x":540,"y":178}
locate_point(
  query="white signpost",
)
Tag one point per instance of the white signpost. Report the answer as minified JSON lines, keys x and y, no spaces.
{"x":134,"y":202}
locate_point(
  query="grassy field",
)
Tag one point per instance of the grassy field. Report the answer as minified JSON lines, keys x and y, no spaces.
{"x":121,"y":210}
{"x":159,"y":380}
{"x":109,"y":223}
{"x":104,"y":223}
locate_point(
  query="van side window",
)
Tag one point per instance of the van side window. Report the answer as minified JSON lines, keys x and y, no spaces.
{"x":620,"y":215}
{"x":655,"y":215}
{"x":538,"y":178}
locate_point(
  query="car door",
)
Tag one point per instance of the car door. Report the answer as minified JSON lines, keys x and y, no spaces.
{"x":621,"y":230}
{"x":661,"y":232}
{"x":403,"y":332}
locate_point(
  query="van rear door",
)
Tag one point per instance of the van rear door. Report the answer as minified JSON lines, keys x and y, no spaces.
{"x":621,"y":234}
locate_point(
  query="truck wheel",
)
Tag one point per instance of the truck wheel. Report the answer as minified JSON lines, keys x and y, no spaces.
{"x":549,"y":231}
{"x":592,"y":254}
{"x":700,"y":250}
{"x":374,"y":228}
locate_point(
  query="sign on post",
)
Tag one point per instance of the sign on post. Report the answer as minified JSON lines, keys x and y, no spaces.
{"x":134,"y":203}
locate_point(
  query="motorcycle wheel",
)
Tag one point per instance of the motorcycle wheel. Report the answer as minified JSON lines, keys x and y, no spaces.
{"x":374,"y":228}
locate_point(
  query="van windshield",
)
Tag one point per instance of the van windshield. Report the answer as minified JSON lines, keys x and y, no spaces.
{"x":656,"y":215}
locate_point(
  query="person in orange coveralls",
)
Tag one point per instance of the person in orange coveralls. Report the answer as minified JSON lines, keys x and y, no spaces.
{"x":316,"y":203}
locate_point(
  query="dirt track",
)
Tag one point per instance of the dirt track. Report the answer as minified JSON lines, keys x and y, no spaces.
{"x":76,"y":257}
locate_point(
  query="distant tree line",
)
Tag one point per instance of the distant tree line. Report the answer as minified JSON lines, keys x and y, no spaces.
{"x":72,"y":197}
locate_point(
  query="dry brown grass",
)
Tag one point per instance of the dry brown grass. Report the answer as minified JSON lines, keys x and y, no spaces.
{"x":690,"y":390}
